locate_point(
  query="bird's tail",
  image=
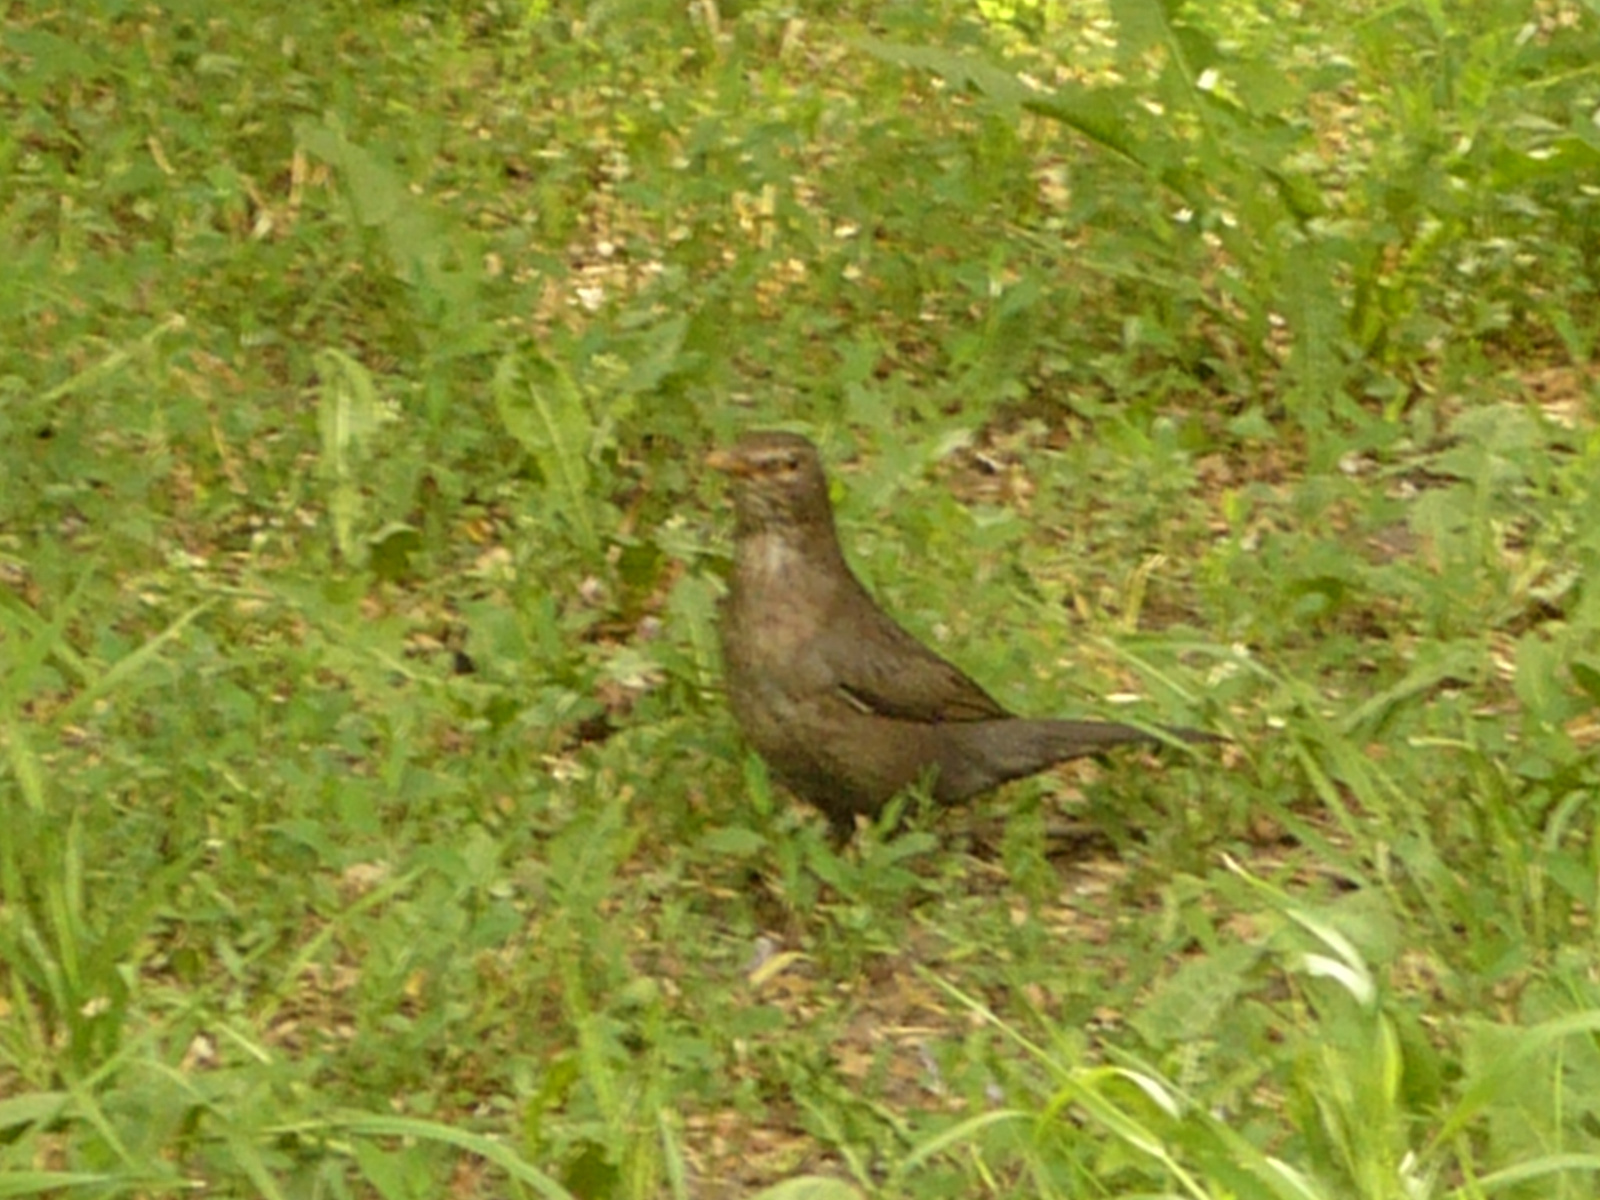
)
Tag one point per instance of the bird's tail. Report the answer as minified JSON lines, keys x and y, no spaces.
{"x":986,"y":753}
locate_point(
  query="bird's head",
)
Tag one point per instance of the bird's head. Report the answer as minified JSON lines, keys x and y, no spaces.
{"x":778,"y":482}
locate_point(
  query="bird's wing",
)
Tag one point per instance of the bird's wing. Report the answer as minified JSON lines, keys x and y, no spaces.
{"x":882,"y":669}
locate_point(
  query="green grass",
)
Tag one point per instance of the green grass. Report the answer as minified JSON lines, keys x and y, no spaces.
{"x":370,"y":822}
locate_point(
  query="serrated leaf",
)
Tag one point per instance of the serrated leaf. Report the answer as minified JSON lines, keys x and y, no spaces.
{"x":660,"y":347}
{"x":373,"y":188}
{"x":1191,"y":1003}
{"x":543,"y":409}
{"x":1099,"y":114}
{"x":1538,"y":664}
{"x":1140,"y":25}
{"x":348,"y":414}
{"x":960,"y":71}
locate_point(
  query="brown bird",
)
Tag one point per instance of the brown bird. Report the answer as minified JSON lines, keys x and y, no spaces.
{"x":846,"y":707}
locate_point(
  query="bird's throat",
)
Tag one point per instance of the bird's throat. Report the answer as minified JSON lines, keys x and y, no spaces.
{"x":769,"y":558}
{"x":792,"y":570}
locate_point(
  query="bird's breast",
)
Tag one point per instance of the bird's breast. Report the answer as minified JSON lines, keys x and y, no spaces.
{"x":780,"y":604}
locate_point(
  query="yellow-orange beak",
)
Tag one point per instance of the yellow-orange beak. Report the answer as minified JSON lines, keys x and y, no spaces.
{"x":729,"y":464}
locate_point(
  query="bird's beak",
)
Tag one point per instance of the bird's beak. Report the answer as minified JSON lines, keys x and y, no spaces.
{"x":728,"y":464}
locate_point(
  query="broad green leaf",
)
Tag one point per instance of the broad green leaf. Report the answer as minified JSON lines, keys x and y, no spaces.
{"x":542,"y":408}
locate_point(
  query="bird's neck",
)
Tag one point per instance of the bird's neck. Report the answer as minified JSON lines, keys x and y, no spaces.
{"x":789,"y":555}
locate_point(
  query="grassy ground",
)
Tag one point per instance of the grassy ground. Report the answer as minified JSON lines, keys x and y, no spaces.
{"x":372,"y":825}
